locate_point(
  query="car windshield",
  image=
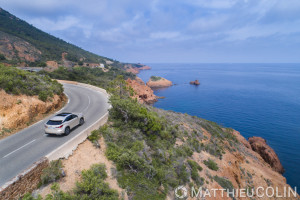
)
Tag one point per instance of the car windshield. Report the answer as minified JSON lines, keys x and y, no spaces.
{"x":63,"y":114}
{"x":52,"y":122}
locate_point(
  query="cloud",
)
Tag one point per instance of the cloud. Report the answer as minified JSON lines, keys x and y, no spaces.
{"x":214,"y":4}
{"x":62,"y":23}
{"x":164,"y":35}
{"x":263,"y":31}
{"x":123,"y":29}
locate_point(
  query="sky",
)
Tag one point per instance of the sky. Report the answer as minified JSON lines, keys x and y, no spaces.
{"x":172,"y":31}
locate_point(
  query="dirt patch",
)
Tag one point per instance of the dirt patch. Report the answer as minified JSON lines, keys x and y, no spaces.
{"x":82,"y":159}
{"x":20,"y":111}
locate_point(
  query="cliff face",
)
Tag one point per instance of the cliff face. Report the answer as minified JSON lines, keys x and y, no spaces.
{"x":239,"y":164}
{"x":158,"y":82}
{"x":260,"y":146}
{"x":18,"y":111}
{"x":144,"y":94}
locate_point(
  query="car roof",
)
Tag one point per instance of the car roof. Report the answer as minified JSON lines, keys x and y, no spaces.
{"x":58,"y":118}
{"x":63,"y":114}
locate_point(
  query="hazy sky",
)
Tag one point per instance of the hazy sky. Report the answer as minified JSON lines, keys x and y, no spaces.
{"x":171,"y":30}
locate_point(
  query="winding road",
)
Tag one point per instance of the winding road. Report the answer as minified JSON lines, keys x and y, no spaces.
{"x":21,"y":150}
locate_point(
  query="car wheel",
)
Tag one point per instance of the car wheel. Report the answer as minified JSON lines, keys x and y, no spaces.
{"x":81,"y":121}
{"x":67,"y":131}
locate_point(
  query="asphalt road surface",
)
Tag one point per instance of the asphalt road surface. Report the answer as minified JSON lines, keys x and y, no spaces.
{"x":21,"y":150}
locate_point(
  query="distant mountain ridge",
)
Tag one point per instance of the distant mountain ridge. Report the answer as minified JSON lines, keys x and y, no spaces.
{"x":22,"y":42}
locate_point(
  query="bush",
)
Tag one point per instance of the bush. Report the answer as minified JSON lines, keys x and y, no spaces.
{"x":195,"y":167}
{"x":130,"y":112}
{"x":155,"y":78}
{"x":224,"y":183}
{"x":211,"y":164}
{"x":92,"y":185}
{"x":2,"y":57}
{"x":95,"y":136}
{"x":43,"y":95}
{"x":15,"y":81}
{"x":52,"y":173}
{"x":93,"y":76}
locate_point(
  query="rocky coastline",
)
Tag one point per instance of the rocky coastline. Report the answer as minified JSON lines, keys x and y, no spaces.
{"x":259,"y":157}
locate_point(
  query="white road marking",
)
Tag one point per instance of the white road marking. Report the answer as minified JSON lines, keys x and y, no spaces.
{"x":68,"y":98}
{"x":19,"y":148}
{"x":88,"y":104}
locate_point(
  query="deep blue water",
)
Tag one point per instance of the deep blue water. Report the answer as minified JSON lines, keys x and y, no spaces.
{"x":255,"y":99}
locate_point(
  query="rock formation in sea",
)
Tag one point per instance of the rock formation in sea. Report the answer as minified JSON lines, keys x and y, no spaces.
{"x":196,"y":82}
{"x":158,"y":82}
{"x":260,"y":146}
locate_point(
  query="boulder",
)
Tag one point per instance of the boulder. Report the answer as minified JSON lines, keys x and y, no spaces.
{"x":260,"y":146}
{"x":196,"y":82}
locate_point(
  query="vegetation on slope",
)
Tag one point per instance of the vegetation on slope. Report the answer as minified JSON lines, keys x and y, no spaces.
{"x":93,"y":76}
{"x":50,"y":46}
{"x":91,"y":186}
{"x":141,"y":140}
{"x":15,"y":81}
{"x":152,"y":148}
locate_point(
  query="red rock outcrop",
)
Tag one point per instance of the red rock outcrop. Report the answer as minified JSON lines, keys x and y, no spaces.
{"x":260,"y":146}
{"x":196,"y":82}
{"x":16,"y":111}
{"x":159,"y":82}
{"x":144,"y":94}
{"x":135,"y":70}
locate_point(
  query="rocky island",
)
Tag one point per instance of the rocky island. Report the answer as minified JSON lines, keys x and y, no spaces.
{"x":196,"y":82}
{"x":158,"y":82}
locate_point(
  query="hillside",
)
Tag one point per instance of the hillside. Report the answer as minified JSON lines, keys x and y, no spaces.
{"x":17,"y":33}
{"x":25,"y":98}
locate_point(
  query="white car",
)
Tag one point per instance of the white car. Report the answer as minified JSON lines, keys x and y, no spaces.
{"x":63,"y":123}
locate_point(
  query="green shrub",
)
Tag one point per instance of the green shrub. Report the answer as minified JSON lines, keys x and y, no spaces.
{"x":2,"y":57}
{"x":93,"y":76}
{"x":43,"y":95}
{"x":28,"y":196}
{"x":195,"y":167}
{"x":211,"y":164}
{"x":92,"y":185}
{"x":140,"y":188}
{"x":52,"y":173}
{"x":94,"y":136}
{"x":15,"y":81}
{"x":155,"y":78}
{"x":130,"y":112}
{"x":224,"y":183}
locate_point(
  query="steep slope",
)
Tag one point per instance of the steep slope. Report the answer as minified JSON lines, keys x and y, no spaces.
{"x":26,"y":97}
{"x":50,"y":47}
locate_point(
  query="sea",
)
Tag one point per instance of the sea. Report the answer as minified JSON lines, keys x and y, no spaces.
{"x":255,"y":99}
